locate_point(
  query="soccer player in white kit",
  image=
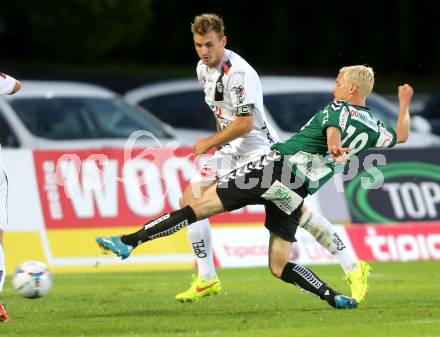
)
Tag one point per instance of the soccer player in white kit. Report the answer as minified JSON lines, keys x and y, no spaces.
{"x":234,"y":94}
{"x":8,"y":86}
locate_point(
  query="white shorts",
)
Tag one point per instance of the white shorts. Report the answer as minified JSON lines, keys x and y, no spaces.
{"x":221,"y":163}
{"x":3,"y":199}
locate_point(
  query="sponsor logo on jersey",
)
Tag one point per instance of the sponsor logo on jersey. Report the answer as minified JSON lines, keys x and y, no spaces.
{"x":363,"y":117}
{"x":238,"y":95}
{"x":218,"y":95}
{"x":226,"y":66}
{"x":223,"y":122}
{"x":219,"y":86}
{"x":343,"y":118}
{"x":385,"y":137}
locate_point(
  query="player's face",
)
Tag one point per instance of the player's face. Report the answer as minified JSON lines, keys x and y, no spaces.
{"x":210,"y":48}
{"x":341,"y":89}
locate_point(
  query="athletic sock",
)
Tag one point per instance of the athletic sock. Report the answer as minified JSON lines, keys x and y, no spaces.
{"x":199,"y":236}
{"x":2,"y":268}
{"x":323,"y":231}
{"x":164,"y":225}
{"x":308,"y":281}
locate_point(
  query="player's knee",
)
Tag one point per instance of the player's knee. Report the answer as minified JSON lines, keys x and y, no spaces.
{"x":276,"y":270}
{"x":304,"y":209}
{"x":199,"y":229}
{"x":185,"y":200}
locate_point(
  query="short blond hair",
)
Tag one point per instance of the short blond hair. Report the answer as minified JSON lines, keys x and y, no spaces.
{"x":360,"y":75}
{"x":206,"y":23}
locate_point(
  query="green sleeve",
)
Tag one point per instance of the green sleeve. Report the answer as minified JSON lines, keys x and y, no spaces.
{"x":386,"y":136}
{"x":336,"y":115}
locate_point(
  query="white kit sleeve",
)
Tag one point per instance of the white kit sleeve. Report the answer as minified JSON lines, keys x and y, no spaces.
{"x":7,"y":84}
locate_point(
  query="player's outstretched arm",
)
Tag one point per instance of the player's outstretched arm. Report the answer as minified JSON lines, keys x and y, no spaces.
{"x":405,"y":93}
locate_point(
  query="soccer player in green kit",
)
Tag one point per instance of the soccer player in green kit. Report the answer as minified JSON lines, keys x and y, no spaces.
{"x":282,"y":179}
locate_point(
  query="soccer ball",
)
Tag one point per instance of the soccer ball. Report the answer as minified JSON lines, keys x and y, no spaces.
{"x":32,"y":279}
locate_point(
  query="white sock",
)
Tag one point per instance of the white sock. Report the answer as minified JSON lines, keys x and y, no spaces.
{"x":199,"y":236}
{"x":2,"y":268}
{"x":323,"y":231}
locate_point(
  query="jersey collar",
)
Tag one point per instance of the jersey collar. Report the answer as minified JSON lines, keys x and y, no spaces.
{"x":359,"y":107}
{"x":226,"y":56}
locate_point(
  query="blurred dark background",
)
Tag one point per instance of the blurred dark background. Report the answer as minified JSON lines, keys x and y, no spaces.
{"x":122,"y":44}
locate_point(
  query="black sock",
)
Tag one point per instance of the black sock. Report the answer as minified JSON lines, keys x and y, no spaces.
{"x":164,"y":225}
{"x":308,"y":281}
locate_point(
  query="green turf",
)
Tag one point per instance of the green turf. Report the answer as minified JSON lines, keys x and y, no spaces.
{"x":404,"y":300}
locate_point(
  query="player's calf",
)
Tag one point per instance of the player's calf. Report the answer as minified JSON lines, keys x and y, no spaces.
{"x":324,"y":232}
{"x":309,"y":282}
{"x":162,"y":226}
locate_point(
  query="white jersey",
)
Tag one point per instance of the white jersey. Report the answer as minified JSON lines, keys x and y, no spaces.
{"x":230,"y":85}
{"x":7,"y":84}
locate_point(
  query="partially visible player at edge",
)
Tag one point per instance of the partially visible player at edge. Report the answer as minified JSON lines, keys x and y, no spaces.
{"x":233,"y":92}
{"x":310,"y":156}
{"x":8,"y":86}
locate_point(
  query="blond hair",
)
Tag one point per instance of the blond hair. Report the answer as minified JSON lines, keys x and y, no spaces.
{"x":206,"y":23}
{"x":360,"y":75}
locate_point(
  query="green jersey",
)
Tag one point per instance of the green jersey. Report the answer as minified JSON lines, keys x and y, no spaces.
{"x":306,"y":151}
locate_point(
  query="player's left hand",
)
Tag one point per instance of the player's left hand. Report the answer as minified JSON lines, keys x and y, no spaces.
{"x":201,"y":146}
{"x":340,"y":154}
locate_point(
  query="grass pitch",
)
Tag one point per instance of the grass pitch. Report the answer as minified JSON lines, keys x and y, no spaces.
{"x":404,"y":300}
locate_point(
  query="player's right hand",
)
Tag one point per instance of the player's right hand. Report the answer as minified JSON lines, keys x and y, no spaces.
{"x":201,"y":146}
